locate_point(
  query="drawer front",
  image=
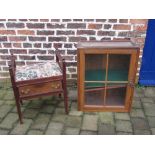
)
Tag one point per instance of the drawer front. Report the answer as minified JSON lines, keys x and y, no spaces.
{"x":40,"y":88}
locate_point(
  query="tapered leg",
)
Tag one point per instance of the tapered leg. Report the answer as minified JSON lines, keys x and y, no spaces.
{"x":18,"y":104}
{"x":65,"y":96}
{"x":19,"y":110}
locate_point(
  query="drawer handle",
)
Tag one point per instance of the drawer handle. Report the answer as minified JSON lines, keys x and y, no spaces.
{"x":25,"y":91}
{"x":55,"y":86}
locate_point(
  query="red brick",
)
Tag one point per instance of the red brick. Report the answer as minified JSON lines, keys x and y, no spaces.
{"x":71,"y":70}
{"x":23,"y":20}
{"x":74,"y":76}
{"x":106,"y":33}
{"x":123,"y":20}
{"x":87,"y":32}
{"x":140,"y":27}
{"x":45,"y":32}
{"x":55,"y":20}
{"x":107,"y":26}
{"x":66,"y":20}
{"x":17,"y":38}
{"x":26,"y":32}
{"x":7,"y":32}
{"x":76,"y":25}
{"x":112,"y":20}
{"x":57,"y":45}
{"x":47,"y":45}
{"x":121,"y":27}
{"x":12,"y":20}
{"x":94,"y":26}
{"x":2,"y":20}
{"x":77,"y":20}
{"x":18,"y":51}
{"x":61,"y":32}
{"x":55,"y":26}
{"x":105,"y":39}
{"x":33,"y":20}
{"x":27,"y":45}
{"x":140,"y":40}
{"x":37,"y":45}
{"x":18,"y":45}
{"x":77,"y":39}
{"x":57,"y":39}
{"x":88,"y":20}
{"x":37,"y":51}
{"x":45,"y":57}
{"x":2,"y":62}
{"x":20,"y":63}
{"x":68,"y":45}
{"x":35,"y":25}
{"x":5,"y":68}
{"x":100,"y":20}
{"x":92,"y":38}
{"x":74,"y":52}
{"x":121,"y":39}
{"x":3,"y":39}
{"x":1,"y":25}
{"x":7,"y":45}
{"x":3,"y":51}
{"x":15,"y":25}
{"x":71,"y":64}
{"x":44,"y":20}
{"x":138,"y":21}
{"x":26,"y":57}
{"x":5,"y":57}
{"x":37,"y":38}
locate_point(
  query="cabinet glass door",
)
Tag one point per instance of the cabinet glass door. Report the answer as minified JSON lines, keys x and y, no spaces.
{"x":106,"y":79}
{"x":115,"y":94}
{"x":95,"y":75}
{"x":118,"y":67}
{"x":117,"y":79}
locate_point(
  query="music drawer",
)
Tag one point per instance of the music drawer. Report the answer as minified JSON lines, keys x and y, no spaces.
{"x":39,"y":88}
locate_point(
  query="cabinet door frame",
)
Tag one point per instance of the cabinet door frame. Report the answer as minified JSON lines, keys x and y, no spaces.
{"x":131,"y":77}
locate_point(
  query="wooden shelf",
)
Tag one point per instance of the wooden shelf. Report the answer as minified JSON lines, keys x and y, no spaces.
{"x":91,"y":89}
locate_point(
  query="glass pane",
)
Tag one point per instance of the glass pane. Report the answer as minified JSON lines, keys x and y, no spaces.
{"x":118,"y":67}
{"x":95,"y":96}
{"x":116,"y":94}
{"x":95,"y":65}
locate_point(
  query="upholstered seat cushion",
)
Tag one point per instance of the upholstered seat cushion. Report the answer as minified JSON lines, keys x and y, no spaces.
{"x":40,"y":70}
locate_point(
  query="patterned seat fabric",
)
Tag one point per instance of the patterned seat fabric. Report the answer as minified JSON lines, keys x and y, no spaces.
{"x":40,"y":70}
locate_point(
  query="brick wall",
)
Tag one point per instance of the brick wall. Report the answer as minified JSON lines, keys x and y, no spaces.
{"x":36,"y":40}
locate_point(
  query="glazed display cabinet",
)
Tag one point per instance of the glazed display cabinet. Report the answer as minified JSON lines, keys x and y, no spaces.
{"x":106,"y":75}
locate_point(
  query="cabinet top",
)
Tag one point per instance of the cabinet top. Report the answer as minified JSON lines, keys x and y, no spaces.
{"x":107,"y":44}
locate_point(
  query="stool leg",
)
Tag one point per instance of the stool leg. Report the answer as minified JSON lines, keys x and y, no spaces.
{"x":19,"y":111}
{"x":18,"y":104}
{"x":65,"y":96}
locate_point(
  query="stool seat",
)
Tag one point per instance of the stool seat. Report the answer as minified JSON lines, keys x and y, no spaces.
{"x":39,"y":70}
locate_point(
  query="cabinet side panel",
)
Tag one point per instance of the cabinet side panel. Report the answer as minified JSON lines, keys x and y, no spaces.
{"x":132,"y":77}
{"x":80,"y":84}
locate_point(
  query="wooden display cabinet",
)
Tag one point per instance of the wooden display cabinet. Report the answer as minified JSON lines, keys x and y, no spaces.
{"x":106,"y":75}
